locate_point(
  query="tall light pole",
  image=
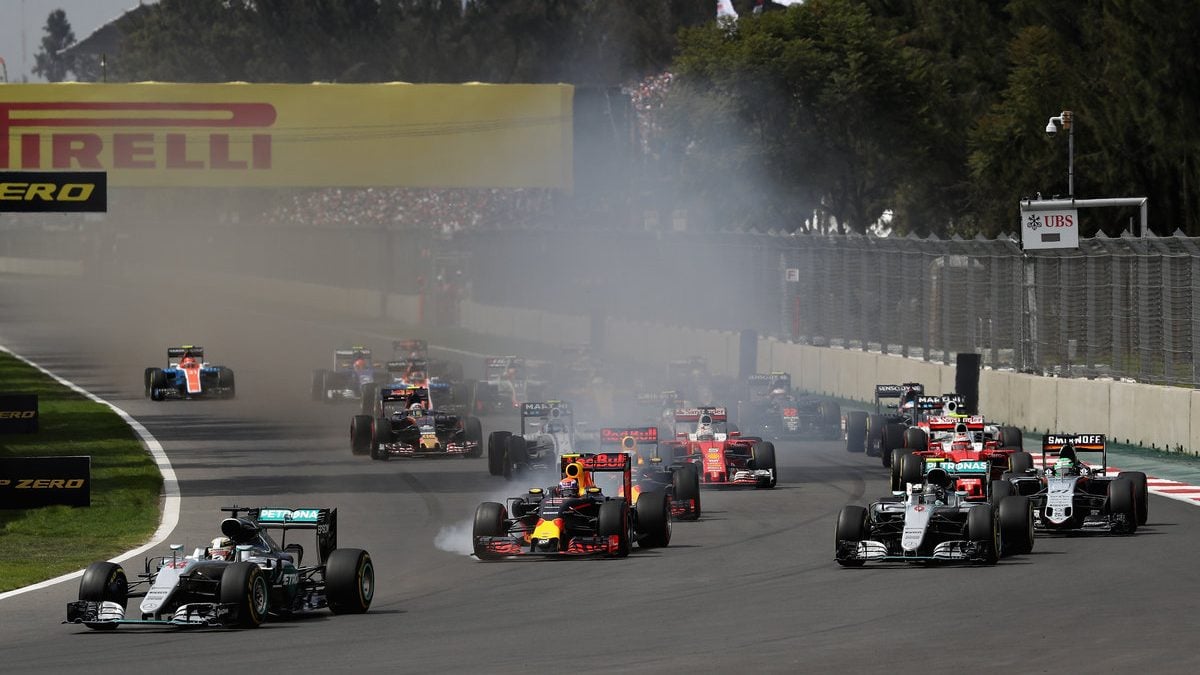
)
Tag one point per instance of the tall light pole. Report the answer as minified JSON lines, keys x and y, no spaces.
{"x":1066,"y":119}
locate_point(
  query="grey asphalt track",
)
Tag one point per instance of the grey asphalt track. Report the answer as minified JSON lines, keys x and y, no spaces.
{"x":752,"y":587}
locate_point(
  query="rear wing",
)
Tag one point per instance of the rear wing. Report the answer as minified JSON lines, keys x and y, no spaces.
{"x":693,"y":414}
{"x":406,"y":394}
{"x":1052,"y":445}
{"x":629,"y":438}
{"x":322,"y":520}
{"x":406,"y":365}
{"x":185,"y":350}
{"x":886,"y":391}
{"x":547,"y":409}
{"x":410,"y":346}
{"x":770,"y":381}
{"x":942,"y":402}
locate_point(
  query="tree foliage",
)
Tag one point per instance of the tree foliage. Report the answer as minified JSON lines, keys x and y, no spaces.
{"x":50,"y":62}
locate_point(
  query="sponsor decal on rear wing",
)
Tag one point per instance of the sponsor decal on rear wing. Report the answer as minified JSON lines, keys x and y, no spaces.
{"x":770,"y":380}
{"x":180,"y":352}
{"x":975,"y":423}
{"x":600,"y":461}
{"x":897,"y":390}
{"x":617,"y":436}
{"x":1053,"y":443}
{"x":693,"y":414}
{"x":420,"y":346}
{"x":352,"y":352}
{"x":937,"y":402}
{"x":551,"y":409}
{"x":404,"y":365}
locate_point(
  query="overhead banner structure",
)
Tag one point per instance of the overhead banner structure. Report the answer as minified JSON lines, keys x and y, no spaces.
{"x":293,"y":135}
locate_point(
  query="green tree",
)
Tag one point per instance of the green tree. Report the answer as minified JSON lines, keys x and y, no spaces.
{"x":50,"y":62}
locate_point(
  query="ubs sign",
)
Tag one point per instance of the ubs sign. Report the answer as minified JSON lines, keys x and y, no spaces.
{"x":1049,"y":229}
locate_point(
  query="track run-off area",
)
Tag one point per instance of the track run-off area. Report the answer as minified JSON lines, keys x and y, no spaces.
{"x":752,"y":586}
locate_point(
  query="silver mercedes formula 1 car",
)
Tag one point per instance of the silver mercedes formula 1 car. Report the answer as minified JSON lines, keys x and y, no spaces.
{"x":238,"y":581}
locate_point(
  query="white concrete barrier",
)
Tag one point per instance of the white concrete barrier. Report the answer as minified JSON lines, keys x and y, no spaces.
{"x":38,"y":266}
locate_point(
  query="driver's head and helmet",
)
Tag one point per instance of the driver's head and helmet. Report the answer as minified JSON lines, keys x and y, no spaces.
{"x":961,"y":434}
{"x":555,"y":427}
{"x":568,"y":487}
{"x":704,"y":427}
{"x":244,"y":532}
{"x":1067,"y":464}
{"x":360,"y":364}
{"x":187,"y":361}
{"x":221,"y":548}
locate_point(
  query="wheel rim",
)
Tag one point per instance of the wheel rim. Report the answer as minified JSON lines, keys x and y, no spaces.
{"x":366,"y":583}
{"x":258,"y":596}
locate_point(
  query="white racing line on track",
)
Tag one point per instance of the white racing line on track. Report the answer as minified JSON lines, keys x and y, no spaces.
{"x":170,"y":513}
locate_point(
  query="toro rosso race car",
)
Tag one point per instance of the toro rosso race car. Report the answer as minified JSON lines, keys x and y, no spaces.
{"x":419,"y":349}
{"x":722,"y":455}
{"x":406,"y":425}
{"x":243,"y":577}
{"x":681,"y":482}
{"x":1069,"y":495}
{"x":582,"y":515}
{"x":188,"y":376}
{"x":349,"y":378}
{"x":930,"y":522}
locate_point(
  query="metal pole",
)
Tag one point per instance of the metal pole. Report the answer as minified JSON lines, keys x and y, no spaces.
{"x":1070,"y":123}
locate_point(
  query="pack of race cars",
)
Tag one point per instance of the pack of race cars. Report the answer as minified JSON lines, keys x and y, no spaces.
{"x":963,"y":490}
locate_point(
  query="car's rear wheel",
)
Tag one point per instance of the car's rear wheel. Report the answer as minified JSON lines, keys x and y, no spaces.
{"x":1020,"y":462}
{"x":875,"y":425}
{"x":998,"y":490}
{"x":370,"y":392}
{"x":912,"y":469}
{"x":1140,"y":500}
{"x":891,"y":438}
{"x":245,"y":588}
{"x":226,"y":381}
{"x":381,"y":433}
{"x":1016,"y":525}
{"x":104,"y":582}
{"x":489,"y":522}
{"x":613,"y":520}
{"x":851,"y":527}
{"x":349,"y":581}
{"x":685,"y":481}
{"x":831,"y":416}
{"x":654,"y":519}
{"x":517,"y":456}
{"x":497,"y":447}
{"x":856,"y":431}
{"x":473,"y":433}
{"x":916,"y":439}
{"x":898,"y":456}
{"x":1011,"y":437}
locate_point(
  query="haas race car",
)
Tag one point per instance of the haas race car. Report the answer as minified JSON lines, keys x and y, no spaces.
{"x":1070,"y":495}
{"x":240,"y":580}
{"x":405,"y":424}
{"x":188,"y":376}
{"x":580,"y":516}
{"x":681,"y":482}
{"x":724,"y":458}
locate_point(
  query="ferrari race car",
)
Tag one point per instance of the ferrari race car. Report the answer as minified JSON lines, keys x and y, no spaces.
{"x":405,"y":424}
{"x":188,"y":376}
{"x":723,"y":456}
{"x":238,"y":581}
{"x":351,"y":374}
{"x":866,"y":431}
{"x":930,"y":522}
{"x":772,"y":410}
{"x":958,"y":439}
{"x":581,"y":515}
{"x":547,"y":432}
{"x":1068,"y":494}
{"x":681,"y":482}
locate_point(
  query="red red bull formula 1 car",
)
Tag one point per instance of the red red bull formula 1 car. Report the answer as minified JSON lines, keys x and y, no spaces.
{"x":681,"y":482}
{"x":723,"y":456}
{"x":581,"y":516}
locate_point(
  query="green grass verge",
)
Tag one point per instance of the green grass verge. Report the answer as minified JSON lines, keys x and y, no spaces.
{"x":38,"y":544}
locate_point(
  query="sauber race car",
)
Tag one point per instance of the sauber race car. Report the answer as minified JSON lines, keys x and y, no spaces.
{"x":930,"y":522}
{"x":581,"y":515}
{"x":1068,"y":494}
{"x":681,"y":482}
{"x":958,"y":438}
{"x":352,"y":373}
{"x":238,"y":581}
{"x":547,"y":432}
{"x":869,"y":431}
{"x":188,"y":376}
{"x":722,"y":455}
{"x":772,"y":410}
{"x":407,"y":425}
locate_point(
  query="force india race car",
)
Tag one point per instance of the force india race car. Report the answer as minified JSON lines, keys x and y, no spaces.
{"x":580,"y":516}
{"x":406,"y":425}
{"x":188,"y":376}
{"x":773,"y":410}
{"x":960,"y":438}
{"x":238,"y":581}
{"x":547,"y":432}
{"x":681,"y":482}
{"x":1068,"y":494}
{"x":930,"y":522}
{"x":352,"y":372}
{"x":722,"y":455}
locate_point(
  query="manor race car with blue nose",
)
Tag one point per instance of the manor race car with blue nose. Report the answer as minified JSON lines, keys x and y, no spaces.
{"x":239,"y":580}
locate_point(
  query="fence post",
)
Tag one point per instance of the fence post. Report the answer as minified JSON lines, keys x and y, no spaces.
{"x":1143,"y":314}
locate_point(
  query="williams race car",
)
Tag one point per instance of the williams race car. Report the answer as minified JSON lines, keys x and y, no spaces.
{"x":188,"y":376}
{"x":580,"y":516}
{"x":547,"y":432}
{"x":238,"y":581}
{"x":1069,"y":495}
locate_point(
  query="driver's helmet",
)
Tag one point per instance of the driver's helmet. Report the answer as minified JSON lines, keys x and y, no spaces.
{"x":360,"y":364}
{"x":1065,"y":466}
{"x":962,"y":434}
{"x":704,"y":427}
{"x":778,"y":392}
{"x":554,"y":428}
{"x":187,"y":361}
{"x":221,"y":549}
{"x":416,"y":407}
{"x":568,"y":487}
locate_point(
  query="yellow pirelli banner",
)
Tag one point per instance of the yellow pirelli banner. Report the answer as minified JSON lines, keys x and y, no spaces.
{"x":292,"y":135}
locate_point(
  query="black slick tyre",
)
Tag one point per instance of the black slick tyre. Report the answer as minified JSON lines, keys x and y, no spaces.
{"x":916,"y":439}
{"x":983,"y":531}
{"x":349,"y":581}
{"x":998,"y":490}
{"x":244,"y":586}
{"x":517,"y":457}
{"x":875,"y":425}
{"x":856,"y":431}
{"x":158,"y":383}
{"x":851,"y":527}
{"x":497,"y":447}
{"x":1016,"y":525}
{"x":146,"y":376}
{"x":891,"y":438}
{"x":1020,"y":462}
{"x":685,"y":483}
{"x":764,"y":458}
{"x":1121,"y":503}
{"x":1011,"y":437}
{"x":489,"y":522}
{"x":1140,"y":500}
{"x":654,"y":520}
{"x":370,"y":392}
{"x":613,"y":519}
{"x":912,"y":469}
{"x":104,"y":582}
{"x":473,"y":433}
{"x":360,"y":434}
